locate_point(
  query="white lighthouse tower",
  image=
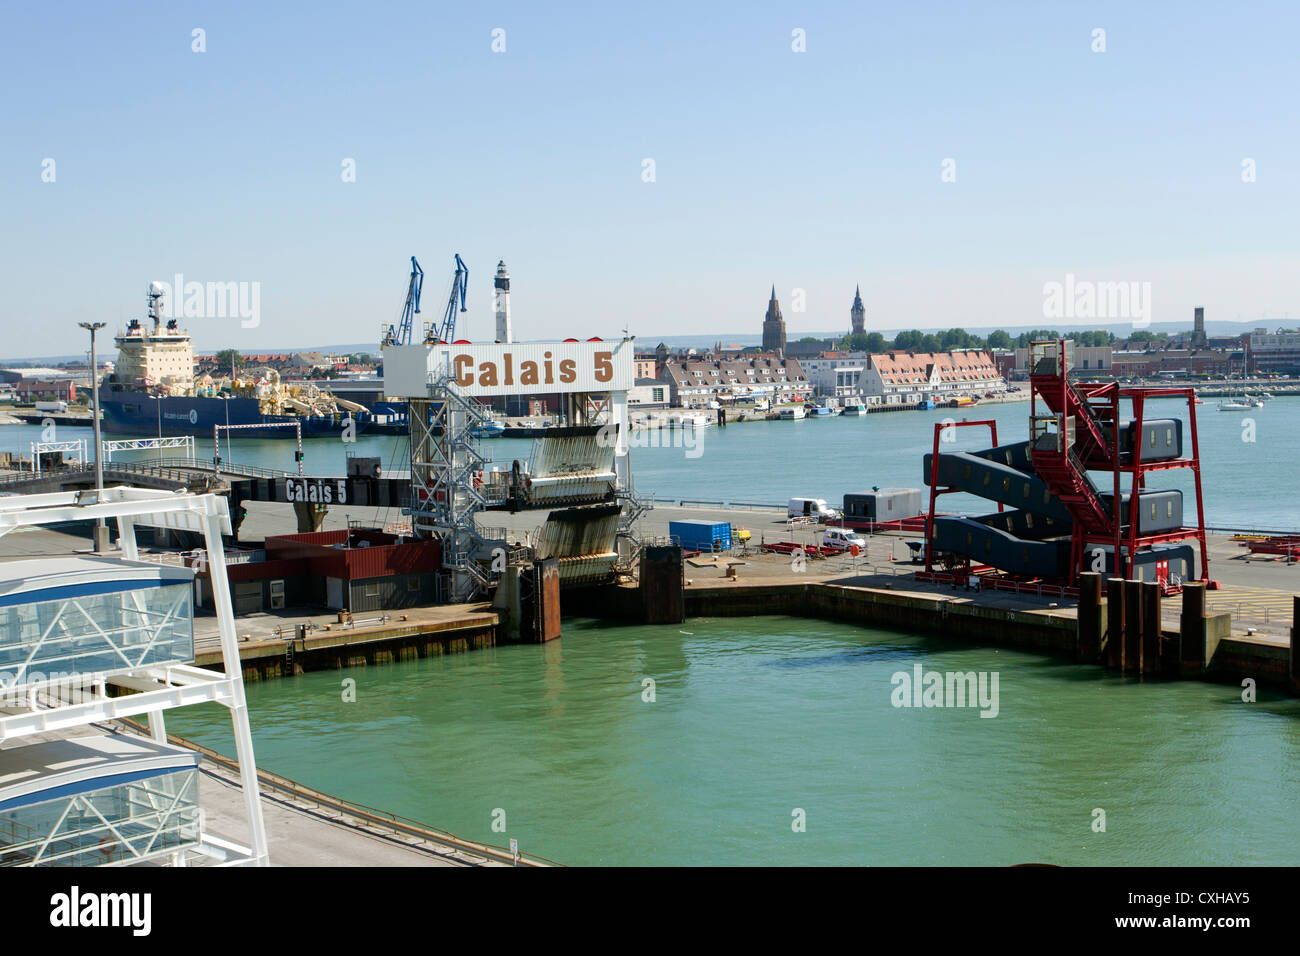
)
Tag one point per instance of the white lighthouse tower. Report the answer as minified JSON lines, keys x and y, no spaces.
{"x":501,"y":302}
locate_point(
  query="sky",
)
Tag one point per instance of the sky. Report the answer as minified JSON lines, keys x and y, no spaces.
{"x":951,"y":158}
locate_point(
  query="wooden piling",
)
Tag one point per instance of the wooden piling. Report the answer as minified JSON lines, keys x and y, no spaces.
{"x":1191,"y":629}
{"x":1151,"y":627}
{"x":1115,"y":623}
{"x":1295,"y":644}
{"x":1088,"y":648}
{"x":1133,"y":625}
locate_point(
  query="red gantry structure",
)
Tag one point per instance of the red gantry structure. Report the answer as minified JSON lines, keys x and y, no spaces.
{"x":1075,"y":427}
{"x":1077,"y":430}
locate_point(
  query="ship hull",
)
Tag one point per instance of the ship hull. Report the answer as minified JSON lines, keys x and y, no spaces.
{"x":131,"y":413}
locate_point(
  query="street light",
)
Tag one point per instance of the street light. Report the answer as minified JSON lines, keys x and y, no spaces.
{"x":101,"y":531}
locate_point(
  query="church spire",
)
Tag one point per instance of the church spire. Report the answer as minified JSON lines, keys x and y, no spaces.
{"x":774,"y":327}
{"x":858,"y":313}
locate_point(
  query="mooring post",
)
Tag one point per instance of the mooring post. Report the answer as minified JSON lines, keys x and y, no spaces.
{"x":663,"y":595}
{"x":1191,"y":630}
{"x":1088,"y":646}
{"x":1151,"y":629}
{"x":1133,"y":623}
{"x":545,"y":624}
{"x":1295,"y":643}
{"x":1114,"y":623}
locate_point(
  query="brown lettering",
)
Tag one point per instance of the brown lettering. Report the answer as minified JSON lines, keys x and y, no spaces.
{"x":462,"y":364}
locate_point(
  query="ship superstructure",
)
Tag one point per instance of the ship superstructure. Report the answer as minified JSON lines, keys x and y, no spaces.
{"x":153,"y":391}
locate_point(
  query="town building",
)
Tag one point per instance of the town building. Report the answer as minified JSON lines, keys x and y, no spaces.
{"x":646,"y":364}
{"x":858,"y":313}
{"x":895,"y":377}
{"x":696,"y":382}
{"x":837,"y":374}
{"x":650,"y":393}
{"x":1087,"y":358}
{"x":38,"y":390}
{"x":1173,"y":362}
{"x":1272,"y":353}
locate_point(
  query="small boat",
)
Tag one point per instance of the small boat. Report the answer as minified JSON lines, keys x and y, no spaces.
{"x":1234,"y":406}
{"x":793,"y":414}
{"x":819,"y":411}
{"x":688,"y":421}
{"x":488,"y":429}
{"x":854,"y":410}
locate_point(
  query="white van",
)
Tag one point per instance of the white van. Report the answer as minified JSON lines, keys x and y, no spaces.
{"x":811,"y":508}
{"x":843,"y":539}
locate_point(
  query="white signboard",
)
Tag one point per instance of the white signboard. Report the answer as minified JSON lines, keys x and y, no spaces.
{"x":321,"y":491}
{"x":538,"y":368}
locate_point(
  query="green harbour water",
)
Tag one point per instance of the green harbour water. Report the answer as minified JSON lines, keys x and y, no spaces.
{"x":756,"y":718}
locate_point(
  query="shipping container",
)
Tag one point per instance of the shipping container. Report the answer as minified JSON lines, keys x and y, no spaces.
{"x":887,"y":504}
{"x":701,"y":535}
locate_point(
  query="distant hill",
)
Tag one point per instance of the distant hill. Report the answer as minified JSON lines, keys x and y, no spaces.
{"x":1121,"y":329}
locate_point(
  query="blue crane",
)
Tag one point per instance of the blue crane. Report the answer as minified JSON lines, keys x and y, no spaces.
{"x":446,"y":330}
{"x":402,"y":334}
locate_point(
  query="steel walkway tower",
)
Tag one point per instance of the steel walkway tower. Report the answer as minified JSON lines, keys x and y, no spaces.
{"x":1077,"y":428}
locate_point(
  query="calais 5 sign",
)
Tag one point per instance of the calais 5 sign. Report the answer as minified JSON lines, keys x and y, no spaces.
{"x":320,"y":491}
{"x":499,"y":369}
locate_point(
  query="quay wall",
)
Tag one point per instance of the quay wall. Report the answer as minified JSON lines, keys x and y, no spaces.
{"x":1228,"y":659}
{"x":336,"y":650}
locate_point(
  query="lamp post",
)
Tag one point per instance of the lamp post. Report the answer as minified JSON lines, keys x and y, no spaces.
{"x":101,"y":530}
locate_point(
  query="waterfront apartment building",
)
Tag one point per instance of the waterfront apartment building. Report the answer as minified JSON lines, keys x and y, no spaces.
{"x":837,"y":374}
{"x":1272,"y":353}
{"x":903,"y":377}
{"x":696,"y":382}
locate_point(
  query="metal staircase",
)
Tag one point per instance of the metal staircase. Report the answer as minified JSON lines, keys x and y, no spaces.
{"x":445,"y":497}
{"x":1071,"y":438}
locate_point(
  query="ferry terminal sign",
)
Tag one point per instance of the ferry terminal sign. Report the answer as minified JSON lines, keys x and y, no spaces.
{"x":513,"y":369}
{"x":322,"y":491}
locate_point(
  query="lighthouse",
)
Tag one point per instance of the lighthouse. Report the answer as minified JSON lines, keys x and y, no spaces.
{"x":501,"y":302}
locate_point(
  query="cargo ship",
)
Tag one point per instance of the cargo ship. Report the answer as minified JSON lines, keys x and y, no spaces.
{"x":153,"y":392}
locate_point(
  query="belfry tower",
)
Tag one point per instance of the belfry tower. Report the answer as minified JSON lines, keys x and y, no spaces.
{"x":858,"y":312}
{"x":774,"y":327}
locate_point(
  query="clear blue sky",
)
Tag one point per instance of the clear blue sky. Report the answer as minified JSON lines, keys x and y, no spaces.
{"x":813,"y":170}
